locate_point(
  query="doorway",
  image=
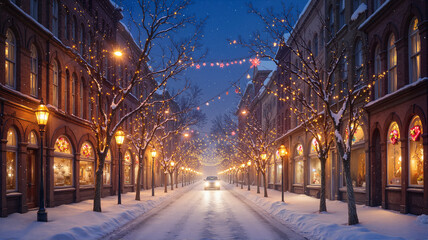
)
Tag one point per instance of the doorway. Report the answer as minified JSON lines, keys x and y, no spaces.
{"x":32,"y":179}
{"x":376,"y":170}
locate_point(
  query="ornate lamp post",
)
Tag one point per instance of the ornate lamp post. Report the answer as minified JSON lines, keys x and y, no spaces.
{"x":242,"y":177}
{"x":42,"y":115}
{"x":264,"y":157}
{"x":248,"y":174}
{"x":182,"y":176}
{"x":282,"y":152}
{"x":153,"y":170}
{"x":172,"y":173}
{"x":120,"y":138}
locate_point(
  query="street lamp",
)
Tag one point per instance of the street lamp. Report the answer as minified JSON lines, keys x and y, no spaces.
{"x":282,"y":152}
{"x":182,"y":176}
{"x":153,"y":170}
{"x":248,"y":174}
{"x":120,"y":138}
{"x":118,"y":53}
{"x":242,"y":181}
{"x":172,"y":174}
{"x":42,"y":115}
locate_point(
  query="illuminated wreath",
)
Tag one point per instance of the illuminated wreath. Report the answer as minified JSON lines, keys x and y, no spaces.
{"x":62,"y":144}
{"x":415,"y":133}
{"x":393,"y":136}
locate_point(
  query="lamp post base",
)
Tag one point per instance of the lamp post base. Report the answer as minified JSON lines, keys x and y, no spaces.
{"x":42,"y":216}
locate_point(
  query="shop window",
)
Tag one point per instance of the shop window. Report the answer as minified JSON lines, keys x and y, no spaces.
{"x":63,"y":163}
{"x":315,"y":164}
{"x":10,"y":63}
{"x":107,"y":169}
{"x":127,"y":168}
{"x":394,"y":155}
{"x":358,"y":158}
{"x":414,"y":51}
{"x":416,"y":153}
{"x":11,"y":161}
{"x":87,"y":165}
{"x":298,"y":165}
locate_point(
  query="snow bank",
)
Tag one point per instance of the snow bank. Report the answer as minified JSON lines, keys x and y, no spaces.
{"x":422,"y":219}
{"x":78,"y":221}
{"x":300,"y":212}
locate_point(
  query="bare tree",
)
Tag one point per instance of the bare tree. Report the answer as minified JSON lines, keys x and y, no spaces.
{"x":159,"y":23}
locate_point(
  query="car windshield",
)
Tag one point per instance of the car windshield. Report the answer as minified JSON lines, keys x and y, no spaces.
{"x":212,"y":178}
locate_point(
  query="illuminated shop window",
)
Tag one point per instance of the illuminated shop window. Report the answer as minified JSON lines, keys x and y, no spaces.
{"x":394,"y":155}
{"x":298,"y":165}
{"x":127,"y":163}
{"x":63,"y":163}
{"x":11,"y":160}
{"x":315,"y":164}
{"x":107,"y":169}
{"x":87,"y":165}
{"x":416,"y":153}
{"x":32,"y":138}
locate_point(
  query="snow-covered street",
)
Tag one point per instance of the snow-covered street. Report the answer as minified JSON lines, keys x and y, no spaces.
{"x":213,"y":214}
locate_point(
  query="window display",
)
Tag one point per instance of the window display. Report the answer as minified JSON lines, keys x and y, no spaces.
{"x":394,"y":155}
{"x":32,"y":138}
{"x":416,"y":153}
{"x":315,"y":164}
{"x":298,"y":165}
{"x":107,"y":169}
{"x":358,"y":159}
{"x":63,"y":163}
{"x":87,"y":164}
{"x":127,"y":168}
{"x":11,"y":160}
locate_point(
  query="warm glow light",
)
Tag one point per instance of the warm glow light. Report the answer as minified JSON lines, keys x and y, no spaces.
{"x":264,"y":156}
{"x":282,"y":151}
{"x":172,"y":163}
{"x":120,"y":137}
{"x":118,"y":53}
{"x":153,"y":152}
{"x":249,"y":163}
{"x":42,"y":114}
{"x":244,"y":112}
{"x":186,"y":135}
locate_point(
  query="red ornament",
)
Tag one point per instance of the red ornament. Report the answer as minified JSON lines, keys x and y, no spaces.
{"x":212,"y":64}
{"x":236,"y":90}
{"x":221,"y":65}
{"x":204,"y":64}
{"x":254,"y":62}
{"x":415,"y":132}
{"x":233,"y":133}
{"x":198,"y":66}
{"x":227,"y":93}
{"x":393,"y":136}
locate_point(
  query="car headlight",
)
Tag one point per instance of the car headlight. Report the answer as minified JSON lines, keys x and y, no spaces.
{"x":207,"y":184}
{"x":217,"y":184}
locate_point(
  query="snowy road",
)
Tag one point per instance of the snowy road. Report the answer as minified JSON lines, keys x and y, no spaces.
{"x":200,"y":214}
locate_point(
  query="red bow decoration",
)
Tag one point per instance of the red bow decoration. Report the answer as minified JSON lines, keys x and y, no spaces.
{"x":415,"y":132}
{"x":393,"y":136}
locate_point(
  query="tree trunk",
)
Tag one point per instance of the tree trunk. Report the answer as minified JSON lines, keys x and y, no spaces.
{"x":172,"y":181}
{"x":265,"y":183}
{"x":140,"y":175}
{"x":237,"y":179}
{"x":258,"y":181}
{"x":352,"y":209}
{"x":323,"y":206}
{"x":165,"y":182}
{"x":98,"y":182}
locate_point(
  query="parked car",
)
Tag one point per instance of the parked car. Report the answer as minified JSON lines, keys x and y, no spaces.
{"x":212,"y":182}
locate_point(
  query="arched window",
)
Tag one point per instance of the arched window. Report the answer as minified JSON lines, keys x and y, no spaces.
{"x":55,"y":18}
{"x":55,"y":77}
{"x":341,"y":13}
{"x":315,"y":45}
{"x":73,"y":94}
{"x":81,"y":95}
{"x":414,"y":51}
{"x":416,"y":153}
{"x":377,"y":72}
{"x":82,"y":40}
{"x":298,"y":164}
{"x":358,"y":158}
{"x":314,"y":164}
{"x":63,"y":163}
{"x":358,"y":61}
{"x":34,"y":9}
{"x":74,"y":29}
{"x":66,"y":86}
{"x":34,"y":71}
{"x":393,"y":155}
{"x":392,"y":65}
{"x":32,"y":139}
{"x":87,"y":165}
{"x":11,"y":160}
{"x":127,"y":168}
{"x":107,"y":169}
{"x":10,"y":63}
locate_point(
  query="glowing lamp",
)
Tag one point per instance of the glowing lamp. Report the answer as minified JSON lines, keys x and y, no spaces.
{"x":42,"y":114}
{"x":120,"y":137}
{"x":263,"y":156}
{"x":118,"y":53}
{"x":153,"y":152}
{"x":249,"y":163}
{"x":282,"y":151}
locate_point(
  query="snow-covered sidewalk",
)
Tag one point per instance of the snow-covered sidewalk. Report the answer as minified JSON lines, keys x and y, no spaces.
{"x":78,"y":221}
{"x":300,"y":212}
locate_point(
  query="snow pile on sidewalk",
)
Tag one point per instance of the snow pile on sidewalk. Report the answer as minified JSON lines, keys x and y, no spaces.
{"x":78,"y":221}
{"x":301,"y":213}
